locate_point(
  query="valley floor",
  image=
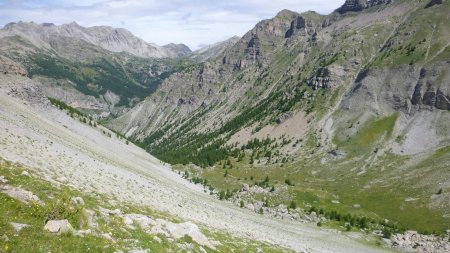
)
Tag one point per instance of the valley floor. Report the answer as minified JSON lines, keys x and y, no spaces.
{"x":64,"y":151}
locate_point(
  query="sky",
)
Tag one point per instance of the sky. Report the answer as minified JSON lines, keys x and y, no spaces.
{"x":196,"y":23}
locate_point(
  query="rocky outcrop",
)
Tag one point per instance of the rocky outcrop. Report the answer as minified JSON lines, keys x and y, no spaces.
{"x":302,"y":27}
{"x":433,"y":3}
{"x":411,"y":241}
{"x":359,"y":5}
{"x":432,"y":89}
{"x":8,"y":66}
{"x":321,"y":79}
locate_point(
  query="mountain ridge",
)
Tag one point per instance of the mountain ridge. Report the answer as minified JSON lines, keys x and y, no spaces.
{"x":112,"y":39}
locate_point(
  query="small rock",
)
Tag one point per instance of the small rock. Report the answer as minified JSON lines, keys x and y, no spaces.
{"x":335,"y":202}
{"x":62,"y":179}
{"x":78,"y":201}
{"x":25,"y":173}
{"x":245,"y":188}
{"x":356,"y":206}
{"x":58,"y":227}
{"x":107,"y":236}
{"x":21,"y":194}
{"x":157,"y":239}
{"x":3,"y":180}
{"x":313,"y":217}
{"x":18,"y":226}
{"x":138,"y":251}
{"x":5,"y":238}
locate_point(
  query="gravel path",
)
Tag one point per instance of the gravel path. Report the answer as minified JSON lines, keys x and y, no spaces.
{"x":62,"y":149}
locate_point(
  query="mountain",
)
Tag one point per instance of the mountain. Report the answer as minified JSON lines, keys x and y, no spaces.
{"x":101,"y":70}
{"x":111,"y":39}
{"x":350,"y":109}
{"x":308,"y":132}
{"x":212,"y":51}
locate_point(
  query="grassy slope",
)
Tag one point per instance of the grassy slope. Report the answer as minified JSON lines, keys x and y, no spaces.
{"x":57,"y":206}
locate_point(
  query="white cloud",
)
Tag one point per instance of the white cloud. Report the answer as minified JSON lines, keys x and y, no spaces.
{"x":194,"y":22}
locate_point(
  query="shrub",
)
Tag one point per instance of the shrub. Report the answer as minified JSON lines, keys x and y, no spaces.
{"x":293,"y":205}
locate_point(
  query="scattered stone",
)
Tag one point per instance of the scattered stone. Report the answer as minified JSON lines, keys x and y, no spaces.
{"x":77,"y":201}
{"x":62,"y":179}
{"x":5,"y":238}
{"x":91,"y":218}
{"x":313,"y":217}
{"x":20,"y":194}
{"x":157,"y":239}
{"x":411,"y":241}
{"x":18,"y":226}
{"x":25,"y":173}
{"x":138,"y":251}
{"x":335,"y":201}
{"x":114,"y":212}
{"x":58,"y":227}
{"x":356,"y":206}
{"x":107,"y":236}
{"x":3,"y":180}
{"x":245,"y":188}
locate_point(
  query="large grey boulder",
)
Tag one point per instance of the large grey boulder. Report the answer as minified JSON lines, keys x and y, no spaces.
{"x":58,"y":227}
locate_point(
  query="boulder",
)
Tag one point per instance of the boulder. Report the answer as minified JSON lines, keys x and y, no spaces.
{"x":18,"y":226}
{"x":77,"y":201}
{"x":25,"y":173}
{"x":20,"y":194}
{"x":3,"y":180}
{"x":58,"y":227}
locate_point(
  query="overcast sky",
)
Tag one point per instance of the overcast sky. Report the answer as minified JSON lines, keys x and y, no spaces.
{"x":193,"y":22}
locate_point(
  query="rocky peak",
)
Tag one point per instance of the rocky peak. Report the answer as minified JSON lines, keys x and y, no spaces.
{"x":359,"y":5}
{"x":177,"y":50}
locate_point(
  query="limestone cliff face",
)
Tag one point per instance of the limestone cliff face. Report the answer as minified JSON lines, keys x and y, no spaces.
{"x":433,"y":87}
{"x":359,"y":5}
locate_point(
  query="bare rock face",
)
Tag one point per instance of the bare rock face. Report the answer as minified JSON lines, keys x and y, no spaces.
{"x":359,"y":5}
{"x":8,"y":66}
{"x":433,"y":3}
{"x":431,"y":89}
{"x":322,"y":79}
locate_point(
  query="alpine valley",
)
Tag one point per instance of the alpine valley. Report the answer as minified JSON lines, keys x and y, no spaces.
{"x":310,"y":133}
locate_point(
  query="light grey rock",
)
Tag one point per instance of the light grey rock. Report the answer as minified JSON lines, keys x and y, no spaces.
{"x":18,"y":226}
{"x":78,"y":201}
{"x":5,"y":238}
{"x":3,"y":180}
{"x":25,"y":173}
{"x":138,"y":251}
{"x":20,"y":194}
{"x":356,"y":206}
{"x":58,"y":227}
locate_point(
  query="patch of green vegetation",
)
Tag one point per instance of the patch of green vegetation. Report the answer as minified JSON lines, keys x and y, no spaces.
{"x":365,"y":138}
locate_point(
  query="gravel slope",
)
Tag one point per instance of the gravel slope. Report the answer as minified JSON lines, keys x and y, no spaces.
{"x":63,"y":150}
